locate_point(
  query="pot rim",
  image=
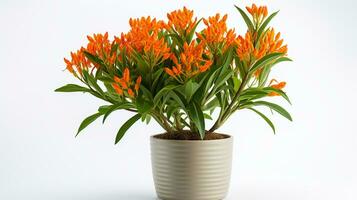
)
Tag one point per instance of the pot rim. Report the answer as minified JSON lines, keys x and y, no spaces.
{"x":227,"y":137}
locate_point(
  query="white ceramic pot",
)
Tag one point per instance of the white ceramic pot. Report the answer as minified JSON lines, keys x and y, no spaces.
{"x":191,"y":169}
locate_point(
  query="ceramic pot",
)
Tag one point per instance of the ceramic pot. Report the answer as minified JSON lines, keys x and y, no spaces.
{"x":191,"y":169}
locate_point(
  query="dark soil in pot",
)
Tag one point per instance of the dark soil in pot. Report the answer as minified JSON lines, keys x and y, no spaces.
{"x":188,"y":135}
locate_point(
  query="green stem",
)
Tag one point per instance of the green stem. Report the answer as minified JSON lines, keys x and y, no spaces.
{"x":226,"y":111}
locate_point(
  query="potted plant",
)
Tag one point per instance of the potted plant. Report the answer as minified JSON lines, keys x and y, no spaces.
{"x":181,"y":76}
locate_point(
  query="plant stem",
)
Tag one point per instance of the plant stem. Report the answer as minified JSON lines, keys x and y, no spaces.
{"x":226,"y":112}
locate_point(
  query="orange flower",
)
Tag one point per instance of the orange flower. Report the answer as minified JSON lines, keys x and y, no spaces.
{"x":245,"y":47}
{"x":144,"y":38}
{"x":258,"y":13}
{"x":272,"y":43}
{"x":137,"y":84}
{"x":69,"y":65}
{"x":126,"y":75}
{"x":216,"y":33}
{"x":191,"y":61}
{"x":169,"y":71}
{"x":269,"y":43}
{"x":278,"y":85}
{"x":181,"y":21}
{"x":117,"y":88}
{"x":130,"y":92}
{"x":125,"y":84}
{"x":98,"y":45}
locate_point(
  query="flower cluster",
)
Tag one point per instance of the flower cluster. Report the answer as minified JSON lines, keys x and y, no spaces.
{"x":181,"y":21}
{"x":258,"y":13}
{"x":125,"y":86}
{"x":144,"y":37}
{"x":147,"y":43}
{"x":269,"y":43}
{"x":191,"y":61}
{"x":216,"y":34}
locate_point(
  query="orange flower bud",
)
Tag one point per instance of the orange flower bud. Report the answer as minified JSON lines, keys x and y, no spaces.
{"x":126,"y":75}
{"x":130,"y":92}
{"x":117,"y":89}
{"x":278,"y":86}
{"x":137,"y":84}
{"x":116,"y":79}
{"x":169,"y":71}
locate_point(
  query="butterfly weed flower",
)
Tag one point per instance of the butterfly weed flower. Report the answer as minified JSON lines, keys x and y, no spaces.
{"x":181,"y":21}
{"x":125,"y":86}
{"x":277,"y":85}
{"x":190,"y":62}
{"x":145,"y":37}
{"x":258,"y":13}
{"x":216,"y":35}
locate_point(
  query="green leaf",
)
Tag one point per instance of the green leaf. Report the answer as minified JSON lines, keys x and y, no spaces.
{"x":147,"y":93}
{"x":163,"y":92}
{"x":275,"y":107}
{"x":264,"y":117}
{"x":143,"y":105}
{"x":207,"y":116}
{"x":192,"y":32}
{"x":280,"y":92}
{"x":72,"y":88}
{"x":282,"y":59}
{"x":246,"y":19}
{"x":156,"y":77}
{"x":190,"y":89}
{"x":88,"y":121}
{"x":126,"y":126}
{"x":265,"y":24}
{"x":263,"y":61}
{"x":93,"y":82}
{"x":94,"y":59}
{"x":178,"y":98}
{"x":114,"y":107}
{"x":223,"y":78}
{"x":197,"y":117}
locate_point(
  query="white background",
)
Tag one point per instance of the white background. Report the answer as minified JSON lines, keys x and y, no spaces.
{"x":312,"y":158}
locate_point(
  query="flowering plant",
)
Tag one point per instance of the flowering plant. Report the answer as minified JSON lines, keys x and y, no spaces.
{"x":179,"y":76}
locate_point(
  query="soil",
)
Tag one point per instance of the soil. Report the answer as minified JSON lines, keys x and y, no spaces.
{"x":188,"y":135}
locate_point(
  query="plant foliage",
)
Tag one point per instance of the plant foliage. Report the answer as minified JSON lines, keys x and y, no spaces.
{"x":177,"y":75}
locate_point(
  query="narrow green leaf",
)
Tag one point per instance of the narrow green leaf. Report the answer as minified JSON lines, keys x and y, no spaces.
{"x":88,"y":121}
{"x":72,"y":88}
{"x":223,"y":78}
{"x":282,"y":59}
{"x":126,"y":126}
{"x":264,"y":117}
{"x":246,"y":19}
{"x":263,"y":61}
{"x":143,"y":105}
{"x":197,"y":117}
{"x":146,"y":92}
{"x":192,"y":32}
{"x":280,"y":92}
{"x":207,"y":116}
{"x":94,"y":59}
{"x":115,"y":107}
{"x":265,"y":24}
{"x":190,"y":89}
{"x":275,"y":107}
{"x":93,"y":82}
{"x":163,"y":92}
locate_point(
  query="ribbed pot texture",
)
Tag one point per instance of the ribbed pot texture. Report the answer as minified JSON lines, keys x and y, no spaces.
{"x":191,"y":169}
